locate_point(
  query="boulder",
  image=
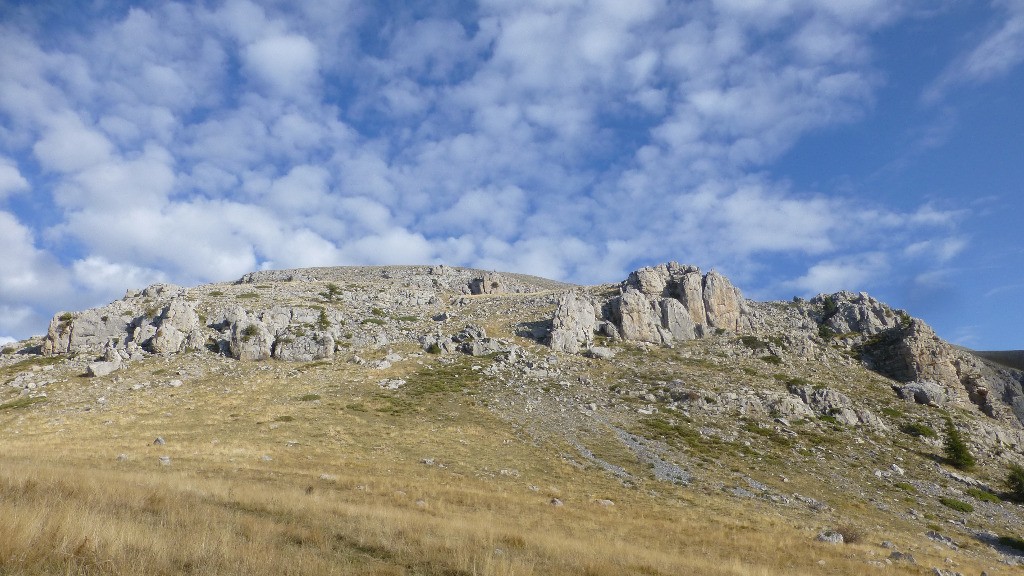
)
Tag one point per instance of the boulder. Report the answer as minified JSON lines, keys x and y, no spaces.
{"x":572,"y":328}
{"x":847,"y":312}
{"x":928,"y":393}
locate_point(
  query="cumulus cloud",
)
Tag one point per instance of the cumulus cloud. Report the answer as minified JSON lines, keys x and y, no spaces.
{"x":286,"y":64}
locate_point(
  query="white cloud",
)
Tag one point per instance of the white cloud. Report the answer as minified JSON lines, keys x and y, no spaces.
{"x":99,"y":275}
{"x":27,"y":274}
{"x":70,"y":146}
{"x":841,"y":274}
{"x":11,"y":180}
{"x":287,"y":64}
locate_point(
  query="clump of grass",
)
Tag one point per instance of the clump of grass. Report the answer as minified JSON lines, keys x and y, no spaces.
{"x":216,"y":293}
{"x":851,"y":534}
{"x":958,"y":505}
{"x":247,"y":296}
{"x":249,"y":332}
{"x":284,"y":418}
{"x":917,"y":430}
{"x":377,"y":321}
{"x":906,"y":487}
{"x":772,"y":359}
{"x":309,"y":397}
{"x":22,"y":402}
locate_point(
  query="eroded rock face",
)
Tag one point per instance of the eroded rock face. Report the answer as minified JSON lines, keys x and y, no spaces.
{"x":572,"y":328}
{"x":250,"y":340}
{"x":849,"y":312}
{"x":489,"y":283}
{"x":913,"y":352}
{"x":304,"y":347}
{"x":722,"y":302}
{"x":637,"y":317}
{"x":86,"y":331}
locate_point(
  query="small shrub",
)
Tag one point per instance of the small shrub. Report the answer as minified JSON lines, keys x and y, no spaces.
{"x":217,"y":293}
{"x":958,"y":455}
{"x":377,"y":312}
{"x":284,"y":418}
{"x":249,"y":332}
{"x":957,"y":505}
{"x":66,"y":317}
{"x":754,"y":343}
{"x":1015,"y":481}
{"x":309,"y":397}
{"x":247,"y":295}
{"x":826,"y":333}
{"x":772,"y":359}
{"x":433,"y":348}
{"x":983,"y":495}
{"x":851,"y":534}
{"x":377,"y":321}
{"x":916,"y":429}
{"x":892,"y":412}
{"x":9,"y":350}
{"x":323,"y":322}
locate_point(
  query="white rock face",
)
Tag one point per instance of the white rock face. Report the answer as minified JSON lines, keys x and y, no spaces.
{"x":637,"y":317}
{"x":675,"y":318}
{"x":572,"y":328}
{"x":722,"y":302}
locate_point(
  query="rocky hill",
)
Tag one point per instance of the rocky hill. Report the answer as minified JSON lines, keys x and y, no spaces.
{"x":671,"y":386}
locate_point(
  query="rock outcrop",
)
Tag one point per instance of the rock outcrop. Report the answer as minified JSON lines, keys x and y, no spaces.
{"x":659,"y":305}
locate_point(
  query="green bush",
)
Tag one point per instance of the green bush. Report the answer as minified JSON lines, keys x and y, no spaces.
{"x":772,"y":359}
{"x":958,"y":455}
{"x":249,"y":332}
{"x":917,"y":429}
{"x":1015,"y":481}
{"x":983,"y":495}
{"x":957,"y":505}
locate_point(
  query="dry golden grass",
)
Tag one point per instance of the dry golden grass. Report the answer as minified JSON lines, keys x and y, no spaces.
{"x":345,"y":492}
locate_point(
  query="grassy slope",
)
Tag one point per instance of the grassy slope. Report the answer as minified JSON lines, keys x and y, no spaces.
{"x":288,"y":469}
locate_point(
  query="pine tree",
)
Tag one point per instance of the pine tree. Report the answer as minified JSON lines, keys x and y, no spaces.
{"x":957,"y":453}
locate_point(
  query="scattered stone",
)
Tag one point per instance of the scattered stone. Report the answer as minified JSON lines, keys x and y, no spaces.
{"x":556,"y":502}
{"x":902,"y":557}
{"x":159,"y":441}
{"x":165,"y":460}
{"x":122,"y":457}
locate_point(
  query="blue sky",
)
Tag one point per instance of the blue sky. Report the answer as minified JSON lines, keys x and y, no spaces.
{"x":797,"y":146}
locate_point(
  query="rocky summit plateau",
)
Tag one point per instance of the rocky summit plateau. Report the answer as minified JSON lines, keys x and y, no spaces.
{"x":442,"y":420}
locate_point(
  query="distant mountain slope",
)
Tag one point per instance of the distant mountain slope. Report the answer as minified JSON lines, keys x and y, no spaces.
{"x":1009,"y":358}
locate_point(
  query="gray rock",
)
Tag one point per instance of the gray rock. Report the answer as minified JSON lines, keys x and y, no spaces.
{"x":601,"y":353}
{"x":103,"y":368}
{"x":830,"y":537}
{"x":303,"y":347}
{"x":928,"y":393}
